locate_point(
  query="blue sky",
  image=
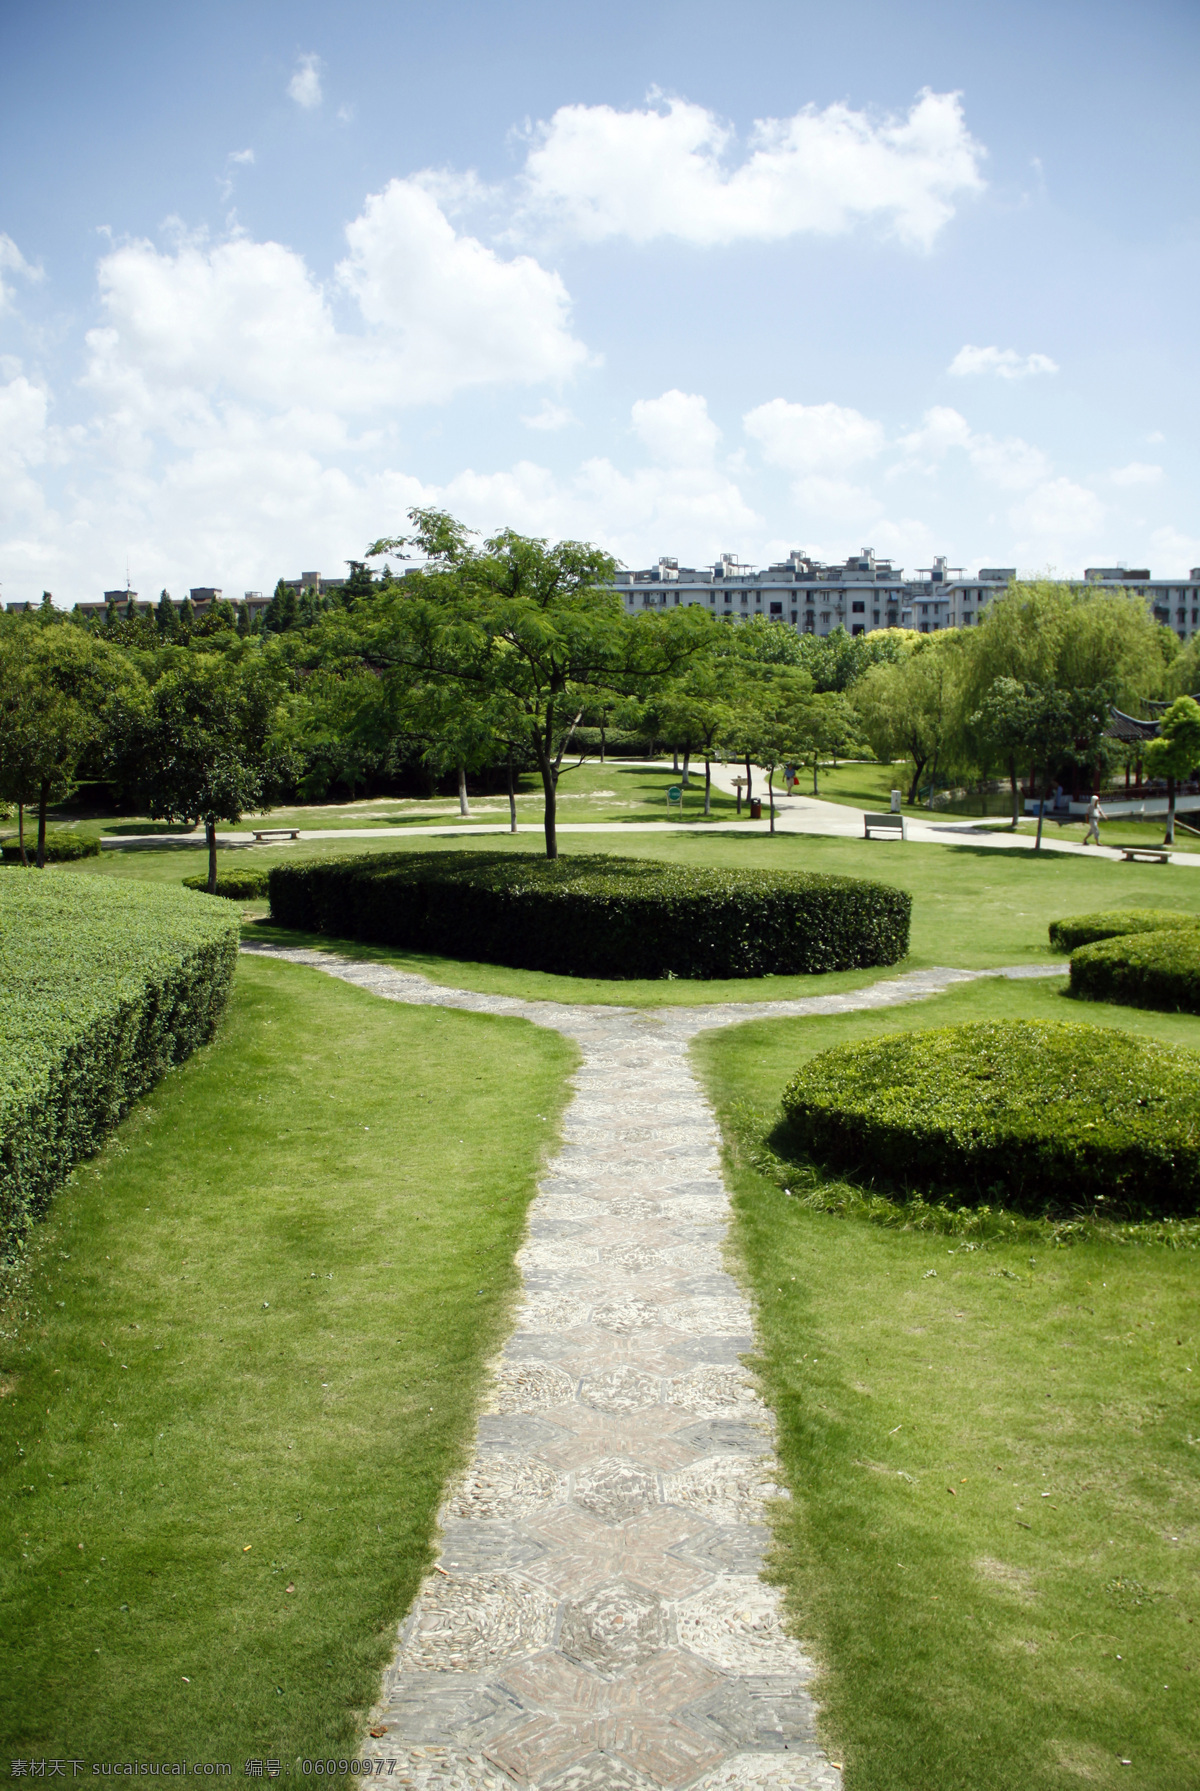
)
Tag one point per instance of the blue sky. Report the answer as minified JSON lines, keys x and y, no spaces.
{"x":678,"y":278}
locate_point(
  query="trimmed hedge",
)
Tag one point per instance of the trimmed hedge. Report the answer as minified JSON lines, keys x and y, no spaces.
{"x":1114,"y":923}
{"x":1033,"y":1114}
{"x":235,"y":886}
{"x":597,"y":916}
{"x":61,"y":847}
{"x":103,"y":987}
{"x":1159,"y":969}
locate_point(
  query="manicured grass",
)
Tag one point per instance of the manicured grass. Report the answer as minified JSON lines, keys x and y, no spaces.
{"x":974,"y":906}
{"x":242,"y":1364}
{"x":991,"y":1444}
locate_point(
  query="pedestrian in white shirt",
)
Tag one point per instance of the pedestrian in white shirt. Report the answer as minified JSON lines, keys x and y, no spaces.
{"x":1095,"y":815}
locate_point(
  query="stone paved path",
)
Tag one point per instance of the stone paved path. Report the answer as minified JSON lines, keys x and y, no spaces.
{"x":597,"y":1621}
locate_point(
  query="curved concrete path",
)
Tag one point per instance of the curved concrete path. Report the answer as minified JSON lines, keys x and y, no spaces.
{"x":597,"y":1621}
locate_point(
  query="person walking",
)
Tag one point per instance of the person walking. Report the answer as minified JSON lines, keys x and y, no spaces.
{"x":1095,"y":815}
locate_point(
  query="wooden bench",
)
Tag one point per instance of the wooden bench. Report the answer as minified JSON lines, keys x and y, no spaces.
{"x":887,"y":823}
{"x":1144,"y":855}
{"x":277,"y":833}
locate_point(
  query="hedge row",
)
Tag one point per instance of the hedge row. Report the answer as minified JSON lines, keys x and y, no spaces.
{"x":235,"y":886}
{"x":1114,"y":923}
{"x":1159,"y":969}
{"x":61,"y":847}
{"x":597,"y":916}
{"x":103,"y":987}
{"x":1037,"y":1115}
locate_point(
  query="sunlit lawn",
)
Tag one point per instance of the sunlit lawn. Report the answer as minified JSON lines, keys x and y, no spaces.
{"x":994,"y":1540}
{"x":246,"y":1358}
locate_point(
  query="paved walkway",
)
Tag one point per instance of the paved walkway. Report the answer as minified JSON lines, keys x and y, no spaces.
{"x":597,"y":1621}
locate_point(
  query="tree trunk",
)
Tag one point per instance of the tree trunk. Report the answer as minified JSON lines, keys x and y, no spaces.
{"x":707,"y":789}
{"x":210,"y":836}
{"x":1012,"y":779}
{"x":771,"y":794}
{"x":43,"y":799}
{"x":463,"y":805}
{"x":1037,"y":844}
{"x":687,"y":759}
{"x":512,"y":797}
{"x":550,"y":790}
{"x":602,"y":730}
{"x":675,"y":760}
{"x":816,"y":762}
{"x":1169,"y":837}
{"x":749,"y":782}
{"x":21,"y":833}
{"x":918,"y":766}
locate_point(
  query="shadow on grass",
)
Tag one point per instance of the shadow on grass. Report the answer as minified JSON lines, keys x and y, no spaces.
{"x":768,"y":1144}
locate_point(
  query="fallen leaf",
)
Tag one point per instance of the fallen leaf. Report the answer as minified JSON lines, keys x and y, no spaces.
{"x":289,"y":1588}
{"x":183,"y":1676}
{"x":377,"y":1732}
{"x":247,"y":1548}
{"x":952,"y":1492}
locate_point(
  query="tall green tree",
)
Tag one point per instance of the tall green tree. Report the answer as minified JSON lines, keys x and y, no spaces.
{"x":1176,"y":752}
{"x":913,"y":708}
{"x":535,"y":626}
{"x":60,"y":689}
{"x":205,"y":747}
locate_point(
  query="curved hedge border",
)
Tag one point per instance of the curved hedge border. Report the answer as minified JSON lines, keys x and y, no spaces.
{"x":103,"y":987}
{"x":1114,"y":923}
{"x":61,"y":847}
{"x":597,"y":916}
{"x":1033,"y":1114}
{"x":1159,"y":969}
{"x":235,"y":886}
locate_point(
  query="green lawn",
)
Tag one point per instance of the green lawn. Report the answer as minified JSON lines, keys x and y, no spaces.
{"x":244,"y":1359}
{"x":590,"y":791}
{"x":974,"y":907}
{"x":992,"y":1447}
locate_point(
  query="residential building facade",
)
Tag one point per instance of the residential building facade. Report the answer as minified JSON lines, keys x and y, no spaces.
{"x":865,"y":593}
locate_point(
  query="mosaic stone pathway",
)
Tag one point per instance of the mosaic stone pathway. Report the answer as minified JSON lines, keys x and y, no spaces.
{"x":597,"y":1621}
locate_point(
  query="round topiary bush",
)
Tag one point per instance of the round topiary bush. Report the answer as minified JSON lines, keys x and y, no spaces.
{"x":235,"y":886}
{"x":1033,"y":1114}
{"x":597,"y":916}
{"x":1084,"y":929}
{"x":1159,"y":969}
{"x":61,"y":847}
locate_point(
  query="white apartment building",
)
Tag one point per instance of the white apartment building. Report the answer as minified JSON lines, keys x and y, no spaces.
{"x":865,"y":593}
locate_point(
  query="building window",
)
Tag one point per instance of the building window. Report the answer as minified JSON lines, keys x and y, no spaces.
{"x":794,"y":618}
{"x":745,"y":600}
{"x":777,"y":609}
{"x":925,"y":612}
{"x":824,"y":618}
{"x":858,"y":628}
{"x":858,"y":609}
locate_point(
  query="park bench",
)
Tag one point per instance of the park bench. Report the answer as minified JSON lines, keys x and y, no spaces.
{"x":277,"y":833}
{"x":886,"y":823}
{"x":1144,"y":855}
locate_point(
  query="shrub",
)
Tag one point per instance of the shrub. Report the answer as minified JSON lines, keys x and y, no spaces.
{"x":1159,"y":969}
{"x":61,"y":847}
{"x":597,"y":916}
{"x":103,"y":987}
{"x":235,"y":886}
{"x":1084,"y":929}
{"x":1041,"y":1115}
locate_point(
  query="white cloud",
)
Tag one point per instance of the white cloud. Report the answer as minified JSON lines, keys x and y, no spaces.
{"x":305,"y":85}
{"x":1138,"y":472}
{"x":13,"y":262}
{"x":813,"y":438}
{"x":666,"y":171}
{"x":241,"y":155}
{"x":550,"y":417}
{"x":677,"y":428}
{"x":1010,"y":464}
{"x":1056,"y":517}
{"x":245,"y":322}
{"x":463,"y":315}
{"x":1155,"y":436}
{"x":1180,"y":552}
{"x":1002,"y":363}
